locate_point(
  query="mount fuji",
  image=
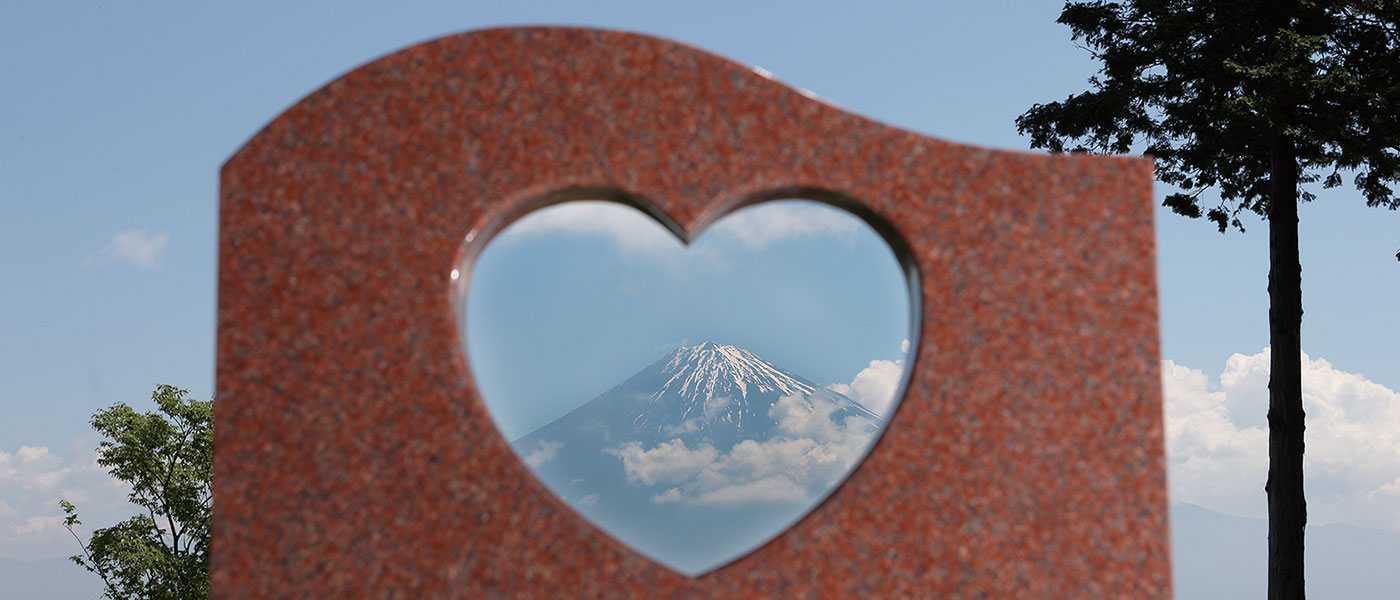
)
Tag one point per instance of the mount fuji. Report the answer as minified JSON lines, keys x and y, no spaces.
{"x":703,"y":455}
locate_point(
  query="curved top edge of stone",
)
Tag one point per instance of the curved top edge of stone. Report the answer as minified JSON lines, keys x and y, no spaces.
{"x":533,"y":38}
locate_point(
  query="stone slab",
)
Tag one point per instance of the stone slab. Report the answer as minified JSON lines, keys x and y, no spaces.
{"x":355,"y":459}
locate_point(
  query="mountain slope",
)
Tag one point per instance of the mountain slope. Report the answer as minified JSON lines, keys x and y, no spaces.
{"x":708,"y":392}
{"x":702,"y":455}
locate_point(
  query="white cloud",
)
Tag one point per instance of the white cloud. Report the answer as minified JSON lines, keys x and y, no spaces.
{"x":1217,"y":441}
{"x":760,"y":225}
{"x":32,"y":468}
{"x":32,"y":481}
{"x":39,"y":526}
{"x":669,"y":462}
{"x":631,"y":231}
{"x":135,"y":246}
{"x":715,"y":404}
{"x":1389,"y":492}
{"x":1213,"y":461}
{"x":800,"y":417}
{"x":904,"y":346}
{"x":588,"y":501}
{"x":544,"y":452}
{"x":808,"y":455}
{"x":627,"y":228}
{"x":874,"y":386}
{"x":776,"y":488}
{"x":686,"y":426}
{"x":668,"y":496}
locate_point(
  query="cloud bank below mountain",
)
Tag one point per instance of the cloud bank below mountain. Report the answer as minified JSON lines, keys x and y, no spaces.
{"x":809,"y":453}
{"x":1217,"y":441}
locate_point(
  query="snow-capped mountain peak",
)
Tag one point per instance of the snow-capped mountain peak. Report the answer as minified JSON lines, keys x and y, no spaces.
{"x":710,"y":439}
{"x":709,"y":392}
{"x":705,"y":368}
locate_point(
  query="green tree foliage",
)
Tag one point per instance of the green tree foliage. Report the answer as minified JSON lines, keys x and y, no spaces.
{"x":1215,"y":88}
{"x":166,"y":457}
{"x":1254,"y":99}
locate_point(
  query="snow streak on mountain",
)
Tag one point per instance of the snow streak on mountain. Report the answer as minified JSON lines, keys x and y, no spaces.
{"x":705,"y":367}
{"x":692,"y":459}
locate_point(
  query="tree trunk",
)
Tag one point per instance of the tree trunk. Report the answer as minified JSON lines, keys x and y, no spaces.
{"x":1288,"y":512}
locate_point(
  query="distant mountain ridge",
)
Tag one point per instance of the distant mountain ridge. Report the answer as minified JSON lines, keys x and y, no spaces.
{"x":47,"y":579}
{"x":1217,"y":557}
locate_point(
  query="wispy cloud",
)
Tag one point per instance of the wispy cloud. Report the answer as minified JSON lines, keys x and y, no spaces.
{"x":758,"y":226}
{"x":628,"y":229}
{"x":33,"y":479}
{"x":136,"y":246}
{"x":544,"y":452}
{"x":1218,"y":452}
{"x":753,"y":228}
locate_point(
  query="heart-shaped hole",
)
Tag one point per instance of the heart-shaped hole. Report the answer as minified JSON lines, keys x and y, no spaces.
{"x":692,"y":401}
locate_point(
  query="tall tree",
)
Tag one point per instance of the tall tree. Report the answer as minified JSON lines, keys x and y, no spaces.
{"x":1254,"y":99}
{"x":166,"y":457}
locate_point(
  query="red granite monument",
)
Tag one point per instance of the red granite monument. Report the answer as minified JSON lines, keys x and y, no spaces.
{"x":356,"y":459}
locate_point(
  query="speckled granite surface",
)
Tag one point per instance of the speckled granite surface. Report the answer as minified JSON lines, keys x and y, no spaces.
{"x":355,"y":459}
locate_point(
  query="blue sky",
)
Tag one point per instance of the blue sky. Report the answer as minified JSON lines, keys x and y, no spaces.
{"x":116,"y":118}
{"x":573,"y":299}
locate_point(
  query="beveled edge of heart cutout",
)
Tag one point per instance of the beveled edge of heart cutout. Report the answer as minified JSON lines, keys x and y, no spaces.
{"x":514,"y":209}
